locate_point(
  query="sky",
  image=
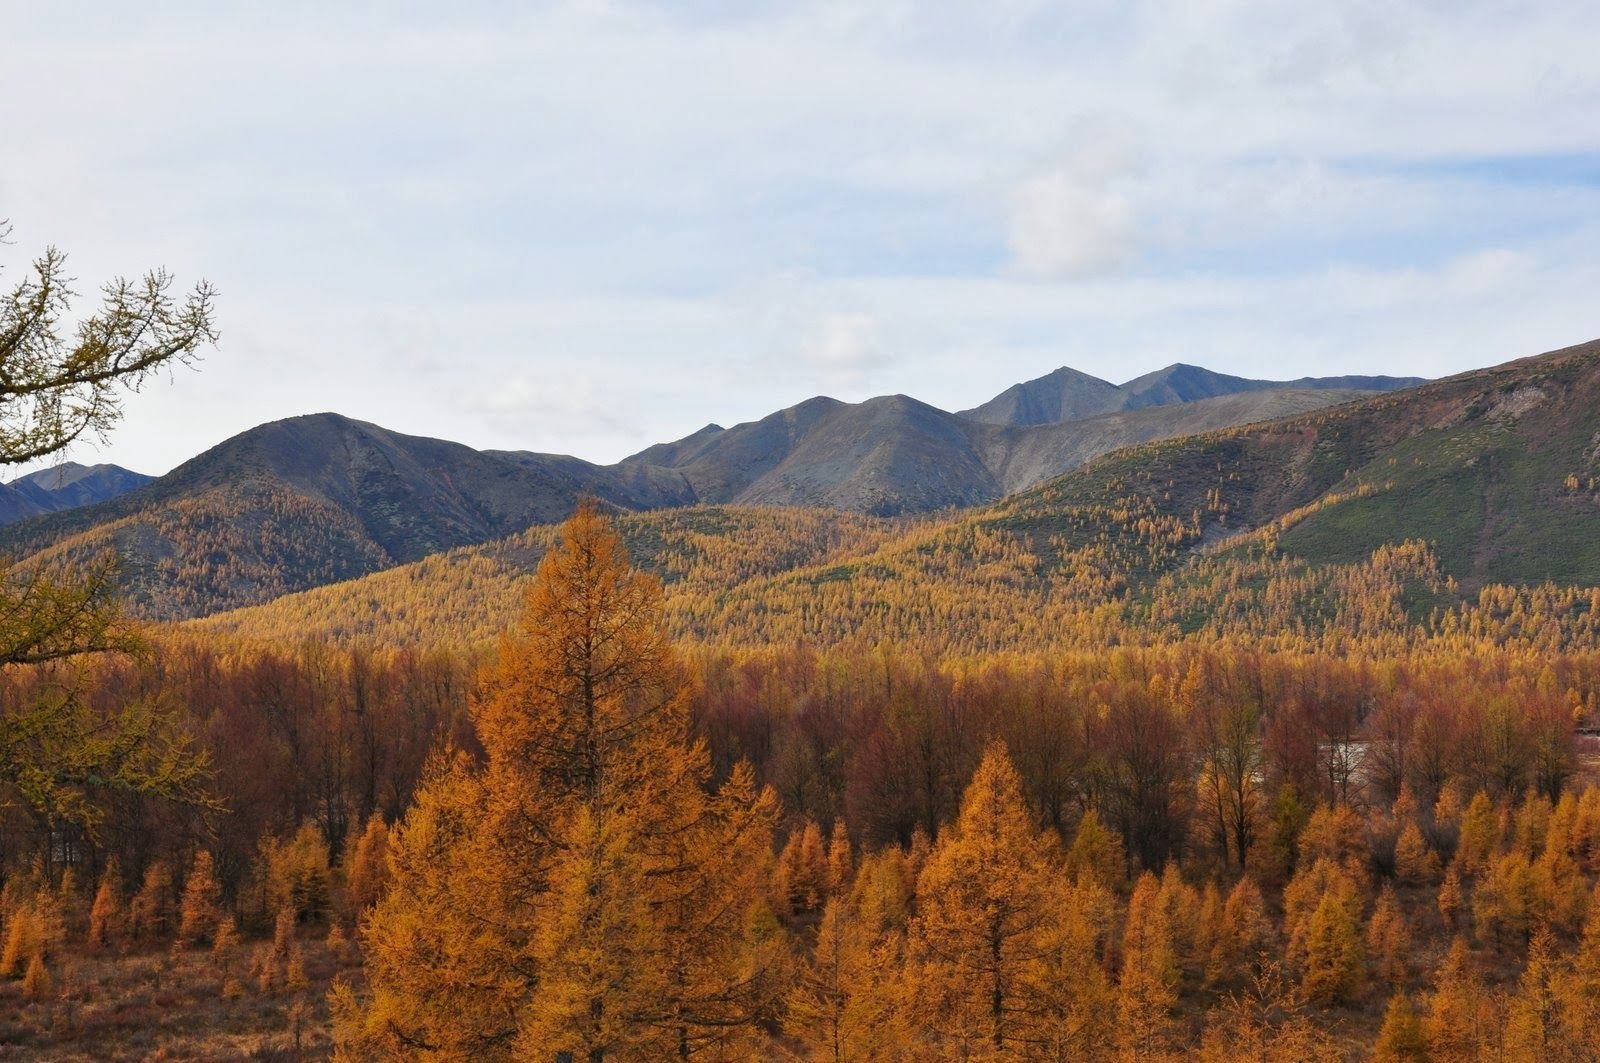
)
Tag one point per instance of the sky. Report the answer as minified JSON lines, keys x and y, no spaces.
{"x":587,"y":227}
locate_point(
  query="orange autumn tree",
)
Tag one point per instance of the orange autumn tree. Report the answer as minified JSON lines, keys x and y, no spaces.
{"x":582,"y":890}
{"x":1002,"y":954}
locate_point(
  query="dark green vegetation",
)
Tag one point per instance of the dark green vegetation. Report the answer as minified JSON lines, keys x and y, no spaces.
{"x":1495,"y":469}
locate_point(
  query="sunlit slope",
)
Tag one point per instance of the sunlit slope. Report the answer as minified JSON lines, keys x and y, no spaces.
{"x":1379,"y":519}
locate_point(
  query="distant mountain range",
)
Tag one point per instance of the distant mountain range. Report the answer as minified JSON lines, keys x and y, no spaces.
{"x":65,"y":486}
{"x":1330,"y":517}
{"x":319,"y":498}
{"x":1068,"y":395}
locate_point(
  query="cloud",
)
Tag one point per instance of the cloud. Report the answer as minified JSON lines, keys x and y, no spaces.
{"x":1073,"y":219}
{"x":843,"y":346}
{"x":1065,"y":227}
{"x":590,"y":225}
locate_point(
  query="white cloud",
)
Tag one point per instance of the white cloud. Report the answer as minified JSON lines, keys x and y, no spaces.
{"x":658,"y":215}
{"x":843,"y":346}
{"x":1066,"y":226}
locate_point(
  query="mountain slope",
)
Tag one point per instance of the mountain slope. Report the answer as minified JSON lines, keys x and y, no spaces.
{"x":1494,"y":467}
{"x":65,"y":486}
{"x":893,"y":454}
{"x":1276,"y":532}
{"x":304,"y":501}
{"x":321,"y":498}
{"x":1067,"y":395}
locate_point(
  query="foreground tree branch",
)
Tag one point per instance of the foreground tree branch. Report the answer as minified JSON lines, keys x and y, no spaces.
{"x":58,"y":382}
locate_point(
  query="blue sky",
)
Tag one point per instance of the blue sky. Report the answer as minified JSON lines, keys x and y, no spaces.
{"x":586,"y":227}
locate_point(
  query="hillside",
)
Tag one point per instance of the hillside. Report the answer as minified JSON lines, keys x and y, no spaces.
{"x":1063,"y":395}
{"x":1495,"y":467}
{"x":317,"y":499}
{"x":1068,"y":395}
{"x":310,"y":500}
{"x":64,"y":486}
{"x":893,"y":454}
{"x":1382,"y":517}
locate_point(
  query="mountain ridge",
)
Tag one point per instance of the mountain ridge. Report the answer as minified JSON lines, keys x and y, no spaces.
{"x":318,"y":498}
{"x":1349,"y":516}
{"x":1067,"y":394}
{"x":65,"y":486}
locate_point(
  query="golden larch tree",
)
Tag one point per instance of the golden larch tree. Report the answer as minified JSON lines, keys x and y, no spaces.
{"x":984,"y":952}
{"x":201,"y":906}
{"x":1097,"y":853}
{"x":106,"y":914}
{"x":1415,"y":864}
{"x":1400,"y":1040}
{"x":1334,"y":962}
{"x":1533,"y":1029}
{"x":1147,"y":991}
{"x":841,"y":860}
{"x":802,"y":878}
{"x":1460,"y":1020}
{"x":582,"y":890}
{"x":366,"y":865}
{"x":843,"y":1007}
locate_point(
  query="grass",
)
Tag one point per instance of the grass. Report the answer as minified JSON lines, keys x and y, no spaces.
{"x":159,"y":1005}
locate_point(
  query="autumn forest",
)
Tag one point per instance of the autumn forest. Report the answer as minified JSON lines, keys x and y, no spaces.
{"x":585,"y":840}
{"x":1203,"y":665}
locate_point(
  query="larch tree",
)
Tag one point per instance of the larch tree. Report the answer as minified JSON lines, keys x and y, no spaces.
{"x":839,"y":1008}
{"x":1480,"y":835}
{"x":60,"y":382}
{"x":1415,"y":864}
{"x":1388,"y":939}
{"x":107,"y":918}
{"x":1245,"y":935}
{"x":1578,"y":987}
{"x":1400,"y":1040}
{"x":841,"y":860}
{"x":1459,"y":1022}
{"x":802,"y":874}
{"x":1097,"y":852}
{"x":582,"y":890}
{"x":366,"y":865}
{"x":1450,"y":899}
{"x":985,"y":958}
{"x":201,"y":907}
{"x":150,"y":911}
{"x":1147,"y":990}
{"x":1533,"y":1030}
{"x":1334,"y":963}
{"x":1265,"y":1023}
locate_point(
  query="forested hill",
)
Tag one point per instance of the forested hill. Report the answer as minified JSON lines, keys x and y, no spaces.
{"x":1498,"y":469}
{"x":1384,"y":517}
{"x":311,"y":500}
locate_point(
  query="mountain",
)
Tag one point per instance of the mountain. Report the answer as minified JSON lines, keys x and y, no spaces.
{"x":311,"y":499}
{"x":316,"y":499}
{"x":1067,"y":394}
{"x":64,"y":486}
{"x":893,"y":454}
{"x":1064,"y":395}
{"x":1497,"y":469}
{"x":1384,"y":517}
